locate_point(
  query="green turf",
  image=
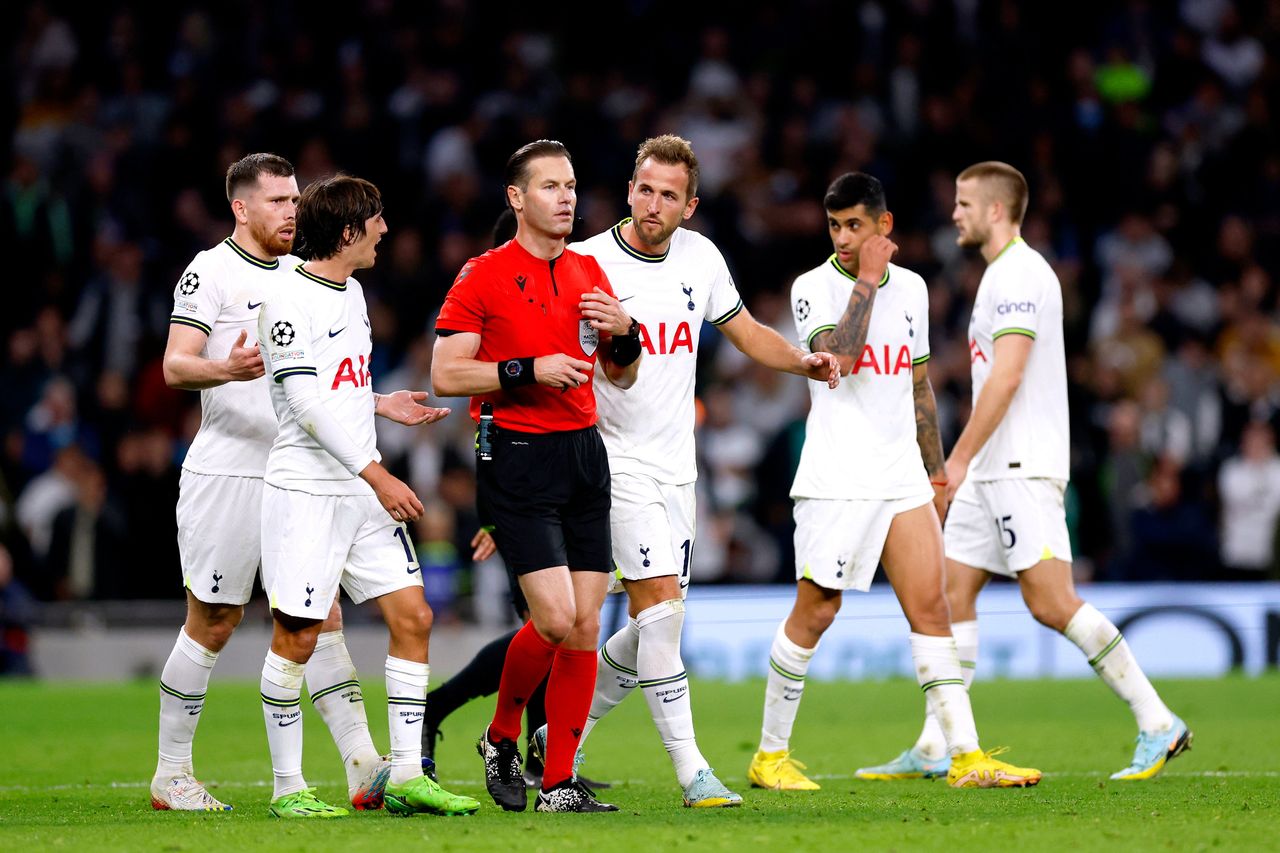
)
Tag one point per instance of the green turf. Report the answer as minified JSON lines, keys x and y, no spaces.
{"x":77,"y":757}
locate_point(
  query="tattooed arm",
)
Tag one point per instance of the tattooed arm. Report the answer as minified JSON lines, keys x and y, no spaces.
{"x":849,"y":336}
{"x":929,"y":439}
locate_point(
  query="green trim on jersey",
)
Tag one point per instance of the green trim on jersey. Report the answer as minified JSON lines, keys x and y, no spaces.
{"x":1012,"y":242}
{"x":728,"y":315}
{"x":310,"y":276}
{"x":921,"y":360}
{"x":272,"y":264}
{"x":616,"y":231}
{"x":815,"y":333}
{"x":1014,"y":330}
{"x":179,"y":320}
{"x":835,"y":262}
{"x":285,"y":372}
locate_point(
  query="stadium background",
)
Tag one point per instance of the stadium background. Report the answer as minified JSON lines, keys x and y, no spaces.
{"x":1146,"y":131}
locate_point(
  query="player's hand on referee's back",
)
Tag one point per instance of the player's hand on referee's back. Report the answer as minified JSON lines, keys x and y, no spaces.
{"x":244,"y":362}
{"x":561,"y":371}
{"x":396,"y":498}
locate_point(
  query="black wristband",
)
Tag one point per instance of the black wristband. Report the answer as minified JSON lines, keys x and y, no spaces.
{"x":626,"y":349}
{"x":515,"y":372}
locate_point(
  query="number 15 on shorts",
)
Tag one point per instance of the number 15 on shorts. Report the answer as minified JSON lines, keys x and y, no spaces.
{"x":1007,"y":537}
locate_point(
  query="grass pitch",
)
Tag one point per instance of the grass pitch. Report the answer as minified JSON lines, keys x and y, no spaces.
{"x":77,"y":759}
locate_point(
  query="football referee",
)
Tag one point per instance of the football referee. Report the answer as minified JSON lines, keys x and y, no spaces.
{"x":520,"y":332}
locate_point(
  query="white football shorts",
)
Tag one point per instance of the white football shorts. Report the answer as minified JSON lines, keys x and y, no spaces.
{"x":1007,"y":526}
{"x":653,"y":527}
{"x":311,"y":543}
{"x":839,"y":543}
{"x":219,"y":523}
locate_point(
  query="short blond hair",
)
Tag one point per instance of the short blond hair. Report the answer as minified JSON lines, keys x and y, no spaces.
{"x":1006,"y":182}
{"x":670,"y":150}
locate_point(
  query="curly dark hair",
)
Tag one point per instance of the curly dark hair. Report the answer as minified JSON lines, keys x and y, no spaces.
{"x":328,"y":207}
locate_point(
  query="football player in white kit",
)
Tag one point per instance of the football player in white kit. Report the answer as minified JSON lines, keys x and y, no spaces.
{"x":330,"y":512}
{"x":672,"y":279}
{"x":1007,"y":475}
{"x":213,"y":348}
{"x":862,"y":490}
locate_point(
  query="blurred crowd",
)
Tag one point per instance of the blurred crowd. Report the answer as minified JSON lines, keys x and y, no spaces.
{"x":1147,"y":131}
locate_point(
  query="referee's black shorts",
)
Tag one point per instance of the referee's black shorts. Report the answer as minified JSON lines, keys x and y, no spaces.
{"x":547,"y":497}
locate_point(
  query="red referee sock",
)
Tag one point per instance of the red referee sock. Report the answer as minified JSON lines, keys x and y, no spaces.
{"x":528,"y":658}
{"x":569,"y":692}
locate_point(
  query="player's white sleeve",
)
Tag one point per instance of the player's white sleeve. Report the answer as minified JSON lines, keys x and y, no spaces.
{"x":1014,"y":308}
{"x":725,"y":302}
{"x":811,"y":309}
{"x":920,"y":342}
{"x":303,"y":392}
{"x":197,"y":297}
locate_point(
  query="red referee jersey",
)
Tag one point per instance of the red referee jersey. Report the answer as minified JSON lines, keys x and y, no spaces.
{"x":522,"y":306}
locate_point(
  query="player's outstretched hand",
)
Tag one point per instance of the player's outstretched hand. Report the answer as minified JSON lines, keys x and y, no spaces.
{"x":605,"y":312}
{"x":561,"y":371}
{"x":822,"y":366}
{"x":244,"y":362}
{"x":874,"y":256}
{"x":405,"y":407}
{"x":484,"y":545}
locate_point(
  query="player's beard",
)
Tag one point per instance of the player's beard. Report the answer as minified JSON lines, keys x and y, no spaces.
{"x":971,"y":239}
{"x":654,"y":240}
{"x":271,"y":241}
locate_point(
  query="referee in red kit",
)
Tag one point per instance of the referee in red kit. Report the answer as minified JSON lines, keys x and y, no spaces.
{"x":519,"y":333}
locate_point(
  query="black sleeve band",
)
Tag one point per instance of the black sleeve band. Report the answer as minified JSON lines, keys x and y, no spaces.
{"x":515,"y":372}
{"x":626,"y":349}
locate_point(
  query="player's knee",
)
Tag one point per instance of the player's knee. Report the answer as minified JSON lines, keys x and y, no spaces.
{"x":1053,"y":613}
{"x":412,"y":623}
{"x":931,"y":617}
{"x":556,"y":626}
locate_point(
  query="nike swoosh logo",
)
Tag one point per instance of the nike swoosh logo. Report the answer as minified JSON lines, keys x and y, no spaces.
{"x":414,"y":571}
{"x":411,"y":722}
{"x":253,"y":305}
{"x":666,"y":701}
{"x":195,"y":712}
{"x":340,"y":331}
{"x":290,"y":723}
{"x":624,"y":299}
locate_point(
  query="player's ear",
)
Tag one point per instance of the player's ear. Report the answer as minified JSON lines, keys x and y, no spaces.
{"x":690,"y":208}
{"x":240,"y":211}
{"x":885,"y":221}
{"x":513,"y":198}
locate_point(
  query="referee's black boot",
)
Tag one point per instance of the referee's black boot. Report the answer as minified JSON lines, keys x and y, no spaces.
{"x":502,"y":774}
{"x":570,"y":796}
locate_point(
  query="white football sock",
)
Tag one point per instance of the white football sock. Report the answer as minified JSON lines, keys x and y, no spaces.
{"x":406,"y":705}
{"x":665,"y":685}
{"x":183,"y":683}
{"x":939,"y":675}
{"x":932,"y":743}
{"x":335,"y":692}
{"x":615,"y":674}
{"x":281,"y":706}
{"x":1110,"y":657}
{"x":788,"y":664}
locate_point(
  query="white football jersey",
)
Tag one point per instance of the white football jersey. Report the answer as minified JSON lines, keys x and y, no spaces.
{"x":316,"y":327}
{"x":860,"y":438}
{"x":1020,"y":295}
{"x":219,"y":294}
{"x":648,"y":428}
